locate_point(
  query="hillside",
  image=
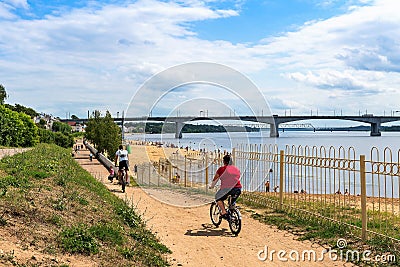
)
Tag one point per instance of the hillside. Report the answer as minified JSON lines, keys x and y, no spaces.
{"x":54,"y":213}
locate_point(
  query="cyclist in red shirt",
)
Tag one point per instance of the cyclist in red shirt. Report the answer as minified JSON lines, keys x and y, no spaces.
{"x":230,"y":183}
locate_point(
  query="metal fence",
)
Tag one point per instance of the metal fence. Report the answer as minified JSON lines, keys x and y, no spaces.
{"x":327,"y":183}
{"x":333,"y":184}
{"x":193,"y":170}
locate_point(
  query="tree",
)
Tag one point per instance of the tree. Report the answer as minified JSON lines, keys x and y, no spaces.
{"x":3,"y":94}
{"x":17,"y":129}
{"x":49,"y":137}
{"x":28,"y":111}
{"x":74,"y":117}
{"x":103,"y":133}
{"x":19,"y":108}
{"x":61,"y":127}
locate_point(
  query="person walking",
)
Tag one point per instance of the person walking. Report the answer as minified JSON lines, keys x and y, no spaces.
{"x":267,"y":185}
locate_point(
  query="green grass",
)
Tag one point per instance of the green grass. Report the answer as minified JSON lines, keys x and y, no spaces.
{"x":327,"y":232}
{"x":65,"y":210}
{"x":79,"y":239}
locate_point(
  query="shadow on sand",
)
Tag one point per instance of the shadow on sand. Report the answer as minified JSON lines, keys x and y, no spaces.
{"x":209,"y":230}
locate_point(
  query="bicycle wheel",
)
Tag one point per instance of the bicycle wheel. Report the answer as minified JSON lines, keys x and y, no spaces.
{"x":122,"y":181}
{"x":214,"y":214}
{"x":123,"y":186}
{"x":235,"y":222}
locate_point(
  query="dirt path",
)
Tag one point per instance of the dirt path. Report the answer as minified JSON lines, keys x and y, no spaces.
{"x":194,"y":241}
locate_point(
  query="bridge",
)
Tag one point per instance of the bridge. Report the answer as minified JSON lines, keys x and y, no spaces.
{"x":273,"y":121}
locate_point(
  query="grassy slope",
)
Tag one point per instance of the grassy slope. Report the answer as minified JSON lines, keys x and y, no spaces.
{"x":324,"y":232}
{"x":50,"y":203}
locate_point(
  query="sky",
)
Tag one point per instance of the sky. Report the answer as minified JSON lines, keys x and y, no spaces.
{"x":306,"y":57}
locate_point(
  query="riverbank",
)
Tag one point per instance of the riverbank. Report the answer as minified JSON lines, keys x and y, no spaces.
{"x":188,"y":232}
{"x":54,"y":213}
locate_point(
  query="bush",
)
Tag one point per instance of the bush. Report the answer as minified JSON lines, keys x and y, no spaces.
{"x":58,"y":138}
{"x":78,"y":239}
{"x":17,"y":129}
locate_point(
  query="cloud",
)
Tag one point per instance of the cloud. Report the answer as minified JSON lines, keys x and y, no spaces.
{"x":105,"y":52}
{"x":384,"y":57}
{"x":8,"y":7}
{"x":330,"y":79}
{"x":18,"y":3}
{"x":109,"y":49}
{"x":349,"y":54}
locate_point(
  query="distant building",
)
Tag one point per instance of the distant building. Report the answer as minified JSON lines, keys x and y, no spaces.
{"x":76,"y":127}
{"x":48,"y":120}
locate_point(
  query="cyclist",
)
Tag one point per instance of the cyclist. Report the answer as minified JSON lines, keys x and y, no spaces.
{"x":122,"y":154}
{"x":230,"y":184}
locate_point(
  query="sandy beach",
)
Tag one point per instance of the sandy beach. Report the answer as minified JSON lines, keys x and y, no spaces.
{"x":188,"y":232}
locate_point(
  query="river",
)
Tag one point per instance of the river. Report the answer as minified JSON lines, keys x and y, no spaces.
{"x":362,"y":142}
{"x":254,"y":175}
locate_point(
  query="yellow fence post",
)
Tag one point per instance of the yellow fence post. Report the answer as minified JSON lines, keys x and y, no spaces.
{"x":206,"y":172}
{"x":149,"y":173}
{"x":363,"y":199}
{"x":170,"y":171}
{"x":185,"y":170}
{"x":281,"y":176}
{"x":159,"y":166}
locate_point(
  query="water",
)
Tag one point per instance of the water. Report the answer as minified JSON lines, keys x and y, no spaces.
{"x":254,"y":175}
{"x":360,"y":141}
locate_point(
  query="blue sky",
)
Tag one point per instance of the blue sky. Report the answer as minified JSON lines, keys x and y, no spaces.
{"x":304,"y":56}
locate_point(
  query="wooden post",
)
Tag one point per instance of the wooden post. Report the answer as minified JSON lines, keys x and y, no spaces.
{"x":364,"y":217}
{"x":281,"y":177}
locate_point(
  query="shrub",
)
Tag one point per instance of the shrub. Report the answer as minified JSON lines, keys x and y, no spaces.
{"x":78,"y":239}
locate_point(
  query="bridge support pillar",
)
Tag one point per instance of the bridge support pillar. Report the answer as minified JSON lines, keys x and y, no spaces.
{"x":375,"y":129}
{"x":178,"y":129}
{"x":274,"y":130}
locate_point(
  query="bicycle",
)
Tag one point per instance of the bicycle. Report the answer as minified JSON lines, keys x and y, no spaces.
{"x":122,"y":179}
{"x":234,"y":216}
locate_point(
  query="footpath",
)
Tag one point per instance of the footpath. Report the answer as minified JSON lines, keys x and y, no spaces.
{"x":194,"y":241}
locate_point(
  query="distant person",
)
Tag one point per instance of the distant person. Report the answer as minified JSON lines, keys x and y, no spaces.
{"x":122,"y":155}
{"x":230,"y":184}
{"x":91,"y":156}
{"x":176,"y":179}
{"x":267,"y":185}
{"x":111,"y":173}
{"x":135,"y":169}
{"x":346,"y":192}
{"x":276,"y":188}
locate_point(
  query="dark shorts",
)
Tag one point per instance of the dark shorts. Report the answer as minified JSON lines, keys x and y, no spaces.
{"x":223,"y":194}
{"x":123,"y":164}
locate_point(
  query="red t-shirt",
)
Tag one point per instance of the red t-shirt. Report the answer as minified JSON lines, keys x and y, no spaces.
{"x":230,"y":176}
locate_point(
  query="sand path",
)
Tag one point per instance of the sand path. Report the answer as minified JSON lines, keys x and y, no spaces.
{"x":194,"y":241}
